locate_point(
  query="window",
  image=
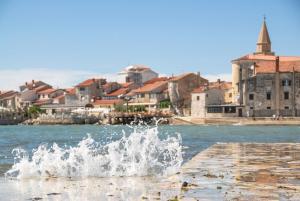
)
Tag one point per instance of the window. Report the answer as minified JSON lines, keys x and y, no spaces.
{"x":214,"y":110}
{"x":198,"y":98}
{"x":142,"y":95}
{"x":286,"y":82}
{"x":286,"y":95}
{"x":268,"y":95}
{"x":230,"y":95}
{"x":230,"y":109}
{"x":268,"y":108}
{"x":81,"y":89}
{"x":251,"y":96}
{"x":251,"y":108}
{"x":286,"y":107}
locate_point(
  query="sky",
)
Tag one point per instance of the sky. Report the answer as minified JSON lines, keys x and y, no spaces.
{"x":65,"y":41}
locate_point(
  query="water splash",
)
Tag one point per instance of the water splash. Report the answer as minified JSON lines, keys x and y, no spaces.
{"x":142,"y":153}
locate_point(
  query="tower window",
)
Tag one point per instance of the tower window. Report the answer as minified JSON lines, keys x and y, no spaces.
{"x":251,"y":96}
{"x":268,"y":95}
{"x":286,"y":107}
{"x":198,"y":98}
{"x":286,"y":95}
{"x":286,"y":82}
{"x":268,"y":108}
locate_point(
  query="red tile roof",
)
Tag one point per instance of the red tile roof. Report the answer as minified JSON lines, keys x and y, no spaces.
{"x":127,"y":84}
{"x":88,"y":82}
{"x":107,"y":102}
{"x":42,"y":87}
{"x":220,"y":85}
{"x":6,"y":94}
{"x":156,"y":80}
{"x":179,"y":77}
{"x":200,"y":89}
{"x":151,"y":87}
{"x":118,"y":92}
{"x":42,"y":102}
{"x":267,"y":63}
{"x":47,"y":91}
{"x":70,"y":90}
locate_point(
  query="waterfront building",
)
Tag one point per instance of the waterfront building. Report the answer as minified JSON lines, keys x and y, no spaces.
{"x":109,"y":104}
{"x":213,"y":101}
{"x":151,"y":94}
{"x":179,"y":90}
{"x":264,"y":83}
{"x":29,"y":92}
{"x":79,"y":97}
{"x":10,"y":100}
{"x":138,"y":74}
{"x":226,"y":87}
{"x":47,"y":96}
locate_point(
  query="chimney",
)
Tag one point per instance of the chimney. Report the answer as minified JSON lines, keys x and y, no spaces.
{"x":277,"y":64}
{"x":26,"y":83}
{"x":198,"y":73}
{"x":32,"y":81}
{"x":219,"y":81}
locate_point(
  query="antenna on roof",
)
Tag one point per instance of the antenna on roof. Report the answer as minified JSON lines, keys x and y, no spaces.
{"x":264,"y":17}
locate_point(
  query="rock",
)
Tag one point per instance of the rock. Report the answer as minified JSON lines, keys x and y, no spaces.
{"x":184,"y":184}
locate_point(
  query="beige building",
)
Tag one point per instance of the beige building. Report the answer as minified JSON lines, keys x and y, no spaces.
{"x":151,"y":94}
{"x":264,"y":83}
{"x":210,"y":102}
{"x":180,"y":88}
{"x":226,"y":87}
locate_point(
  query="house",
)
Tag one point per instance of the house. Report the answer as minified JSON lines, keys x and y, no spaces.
{"x":264,"y":83}
{"x":210,"y":102}
{"x":10,"y":100}
{"x":180,"y":88}
{"x":110,"y":104}
{"x":85,"y":91}
{"x":110,"y":87}
{"x":150,"y":94}
{"x":29,"y":92}
{"x":46,"y":96}
{"x":226,"y":87}
{"x":78,"y":97}
{"x":138,"y":74}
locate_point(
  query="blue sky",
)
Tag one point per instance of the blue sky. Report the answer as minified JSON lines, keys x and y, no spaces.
{"x":44,"y":39}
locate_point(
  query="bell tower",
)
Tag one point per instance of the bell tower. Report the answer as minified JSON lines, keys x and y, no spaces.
{"x":263,"y":45}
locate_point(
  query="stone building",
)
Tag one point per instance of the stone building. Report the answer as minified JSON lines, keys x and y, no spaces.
{"x":150,"y":94}
{"x":226,"y":87}
{"x":180,"y":88}
{"x":264,"y":83}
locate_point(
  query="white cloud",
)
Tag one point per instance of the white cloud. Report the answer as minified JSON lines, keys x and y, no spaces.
{"x":12,"y":79}
{"x":63,"y":78}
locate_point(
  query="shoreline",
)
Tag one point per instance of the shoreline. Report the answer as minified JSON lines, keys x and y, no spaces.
{"x":235,"y":121}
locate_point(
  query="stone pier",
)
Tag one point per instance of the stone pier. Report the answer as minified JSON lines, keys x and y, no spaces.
{"x":233,"y":171}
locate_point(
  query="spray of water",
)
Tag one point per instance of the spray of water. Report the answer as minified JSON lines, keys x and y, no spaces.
{"x":142,"y":153}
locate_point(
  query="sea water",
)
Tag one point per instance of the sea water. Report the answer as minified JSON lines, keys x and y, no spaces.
{"x":86,"y":162}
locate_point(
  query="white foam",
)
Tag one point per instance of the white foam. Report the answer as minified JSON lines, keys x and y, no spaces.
{"x":142,"y":153}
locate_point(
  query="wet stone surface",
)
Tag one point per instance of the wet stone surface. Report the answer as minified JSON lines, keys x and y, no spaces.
{"x":233,"y":171}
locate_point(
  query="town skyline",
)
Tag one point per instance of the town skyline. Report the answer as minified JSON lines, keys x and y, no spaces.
{"x":194,"y":42}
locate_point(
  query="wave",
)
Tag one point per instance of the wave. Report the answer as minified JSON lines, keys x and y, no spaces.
{"x":141,"y":153}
